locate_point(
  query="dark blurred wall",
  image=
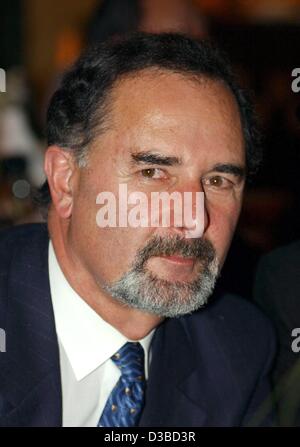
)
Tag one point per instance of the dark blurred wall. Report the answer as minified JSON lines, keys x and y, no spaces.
{"x":10,"y":33}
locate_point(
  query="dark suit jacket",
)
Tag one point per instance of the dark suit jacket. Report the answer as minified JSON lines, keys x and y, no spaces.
{"x":207,"y":369}
{"x":277,"y":291}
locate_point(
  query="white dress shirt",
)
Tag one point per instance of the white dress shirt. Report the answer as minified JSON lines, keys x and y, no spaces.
{"x":86,"y":344}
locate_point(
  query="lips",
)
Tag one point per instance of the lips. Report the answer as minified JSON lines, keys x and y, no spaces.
{"x":179,"y":259}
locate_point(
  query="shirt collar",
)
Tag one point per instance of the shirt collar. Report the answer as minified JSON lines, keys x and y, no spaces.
{"x":88,"y":340}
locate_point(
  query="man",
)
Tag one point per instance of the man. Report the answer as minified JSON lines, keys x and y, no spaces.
{"x":277,"y":292}
{"x":101,"y":322}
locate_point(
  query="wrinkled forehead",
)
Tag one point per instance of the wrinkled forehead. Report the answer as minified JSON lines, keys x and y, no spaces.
{"x":153,"y":89}
{"x":156,"y":103}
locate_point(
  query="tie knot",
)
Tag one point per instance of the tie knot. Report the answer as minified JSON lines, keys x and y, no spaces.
{"x":130,"y":360}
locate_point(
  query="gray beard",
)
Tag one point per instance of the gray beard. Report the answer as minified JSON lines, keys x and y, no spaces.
{"x":142,"y":290}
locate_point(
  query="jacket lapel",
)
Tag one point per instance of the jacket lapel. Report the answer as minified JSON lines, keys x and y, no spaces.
{"x":30,"y":373}
{"x":191,"y":381}
{"x":169,"y":397}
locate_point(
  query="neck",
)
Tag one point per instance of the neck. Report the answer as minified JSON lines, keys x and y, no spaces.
{"x":132,"y":323}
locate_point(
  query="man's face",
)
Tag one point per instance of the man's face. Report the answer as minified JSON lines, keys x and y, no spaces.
{"x":166,"y":133}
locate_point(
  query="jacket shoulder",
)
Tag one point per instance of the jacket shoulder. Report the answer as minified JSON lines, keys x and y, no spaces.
{"x":282,"y":258}
{"x":17,"y":244}
{"x":239,"y":328}
{"x":242,"y":316}
{"x":277,"y":282}
{"x":11,"y":239}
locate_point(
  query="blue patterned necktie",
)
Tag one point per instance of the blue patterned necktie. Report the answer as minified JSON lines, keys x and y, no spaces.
{"x":125,"y":403}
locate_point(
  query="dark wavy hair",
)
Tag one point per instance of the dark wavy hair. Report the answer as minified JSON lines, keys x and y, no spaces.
{"x":79,"y":109}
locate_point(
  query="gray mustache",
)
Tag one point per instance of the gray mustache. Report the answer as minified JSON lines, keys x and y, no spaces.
{"x":201,"y":249}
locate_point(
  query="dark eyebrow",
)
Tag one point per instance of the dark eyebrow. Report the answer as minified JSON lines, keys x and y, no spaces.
{"x":154,"y":159}
{"x":228,"y":168}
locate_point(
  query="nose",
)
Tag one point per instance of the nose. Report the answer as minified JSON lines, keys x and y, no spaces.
{"x":195,"y":215}
{"x":191,"y":219}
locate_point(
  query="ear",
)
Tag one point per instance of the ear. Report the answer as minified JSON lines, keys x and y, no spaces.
{"x":60,"y":169}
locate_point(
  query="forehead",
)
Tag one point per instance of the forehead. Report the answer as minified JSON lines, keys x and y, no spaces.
{"x":161,"y":107}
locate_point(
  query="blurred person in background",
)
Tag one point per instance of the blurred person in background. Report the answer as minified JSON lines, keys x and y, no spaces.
{"x":277,"y":292}
{"x":117,"y":17}
{"x":21,"y":157}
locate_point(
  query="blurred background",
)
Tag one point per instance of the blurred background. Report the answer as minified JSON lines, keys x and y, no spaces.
{"x":40,"y":39}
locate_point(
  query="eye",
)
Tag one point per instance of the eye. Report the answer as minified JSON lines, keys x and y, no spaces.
{"x":153,"y":173}
{"x":218,"y":182}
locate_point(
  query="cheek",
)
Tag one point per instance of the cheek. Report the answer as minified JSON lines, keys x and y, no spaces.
{"x":118,"y":248}
{"x":108,"y":252}
{"x":222,"y":223}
